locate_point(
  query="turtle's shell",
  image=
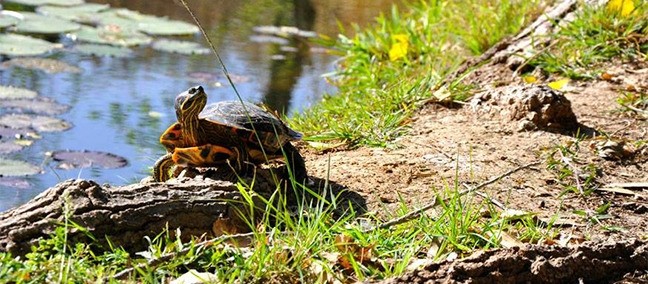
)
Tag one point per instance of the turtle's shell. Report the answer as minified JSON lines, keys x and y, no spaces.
{"x":246,"y":119}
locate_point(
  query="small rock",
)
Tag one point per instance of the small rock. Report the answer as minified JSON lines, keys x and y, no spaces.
{"x":534,"y":106}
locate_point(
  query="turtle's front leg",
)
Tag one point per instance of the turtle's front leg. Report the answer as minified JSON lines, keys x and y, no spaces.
{"x":172,"y":137}
{"x":207,"y":155}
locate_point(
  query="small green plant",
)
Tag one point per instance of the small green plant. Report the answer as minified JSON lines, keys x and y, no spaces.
{"x":573,"y":175}
{"x":388,"y":70}
{"x":596,"y":35}
{"x":634,"y":102}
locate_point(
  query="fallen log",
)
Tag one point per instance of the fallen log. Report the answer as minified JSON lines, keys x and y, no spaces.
{"x":124,"y":215}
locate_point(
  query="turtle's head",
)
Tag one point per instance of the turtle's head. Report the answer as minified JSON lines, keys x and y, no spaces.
{"x":190,"y":103}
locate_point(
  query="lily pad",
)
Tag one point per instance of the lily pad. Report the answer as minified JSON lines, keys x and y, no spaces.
{"x":40,"y":105}
{"x":39,"y":24}
{"x":44,"y":64}
{"x":17,"y":168}
{"x":9,"y":18}
{"x":153,"y":25}
{"x":14,"y":182}
{"x":7,"y":133}
{"x":84,"y":13}
{"x":103,"y":50}
{"x":38,"y":122}
{"x":84,"y":159}
{"x":179,"y":46}
{"x":20,"y":45}
{"x":9,"y":147}
{"x":112,"y":18}
{"x":284,"y":31}
{"x":164,"y":27}
{"x":112,"y":35}
{"x":47,"y":2}
{"x":14,"y":93}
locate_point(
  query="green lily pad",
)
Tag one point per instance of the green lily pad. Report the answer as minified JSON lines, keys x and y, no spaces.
{"x":12,"y":140}
{"x":13,"y":93}
{"x":164,"y":27}
{"x":9,"y":18}
{"x":14,"y":182}
{"x":84,"y":13}
{"x":20,"y":45}
{"x":112,"y":35}
{"x":38,"y":122}
{"x":153,"y":25}
{"x":47,"y":2}
{"x":179,"y":46}
{"x":85,"y":159}
{"x":43,"y":64}
{"x":7,"y":147}
{"x":39,"y":24}
{"x":111,"y":17}
{"x":17,"y":168}
{"x":7,"y":133}
{"x":40,"y":105}
{"x":103,"y":50}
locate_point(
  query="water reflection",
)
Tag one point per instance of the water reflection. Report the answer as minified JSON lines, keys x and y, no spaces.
{"x":122,"y":105}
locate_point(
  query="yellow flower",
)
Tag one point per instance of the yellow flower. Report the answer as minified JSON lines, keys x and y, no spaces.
{"x":530,"y":79}
{"x":557,"y":85}
{"x":399,"y":47}
{"x":623,"y":7}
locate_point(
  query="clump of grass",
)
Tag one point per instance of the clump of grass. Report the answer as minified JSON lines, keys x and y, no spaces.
{"x":313,"y":243}
{"x":634,"y":102}
{"x":388,"y":69}
{"x":574,"y":175}
{"x":597,"y":34}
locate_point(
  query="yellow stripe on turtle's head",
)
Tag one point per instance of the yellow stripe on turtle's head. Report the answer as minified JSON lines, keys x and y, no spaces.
{"x":190,"y":103}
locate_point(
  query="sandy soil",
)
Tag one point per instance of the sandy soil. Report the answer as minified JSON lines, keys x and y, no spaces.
{"x":448,"y":144}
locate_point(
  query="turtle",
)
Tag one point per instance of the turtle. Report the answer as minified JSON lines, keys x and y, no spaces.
{"x":233,"y":132}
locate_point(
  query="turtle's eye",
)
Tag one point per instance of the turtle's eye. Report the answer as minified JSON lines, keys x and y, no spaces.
{"x":197,"y":89}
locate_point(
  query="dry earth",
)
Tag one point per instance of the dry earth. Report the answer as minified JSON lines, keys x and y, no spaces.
{"x":448,"y":145}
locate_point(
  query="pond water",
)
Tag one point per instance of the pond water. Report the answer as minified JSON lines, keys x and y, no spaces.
{"x":122,"y":105}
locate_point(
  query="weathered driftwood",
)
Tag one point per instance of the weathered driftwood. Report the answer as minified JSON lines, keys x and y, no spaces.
{"x":122,"y":214}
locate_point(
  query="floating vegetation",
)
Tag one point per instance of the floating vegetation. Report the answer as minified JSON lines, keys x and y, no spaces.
{"x":284,"y":31}
{"x":156,"y":25}
{"x":9,"y":18}
{"x":179,"y":46}
{"x":21,"y":45}
{"x":7,"y":147}
{"x":103,"y":50}
{"x":38,"y":24}
{"x":85,"y":13}
{"x":15,"y":168}
{"x":43,"y":64}
{"x":47,"y":2}
{"x":85,"y":159}
{"x":7,"y":133}
{"x":91,"y":23}
{"x":13,"y":140}
{"x":112,"y":35}
{"x":13,"y":93}
{"x":14,"y":182}
{"x":37,"y":122}
{"x":39,"y":105}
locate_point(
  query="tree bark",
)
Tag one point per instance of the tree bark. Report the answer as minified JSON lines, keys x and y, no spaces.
{"x":124,"y":215}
